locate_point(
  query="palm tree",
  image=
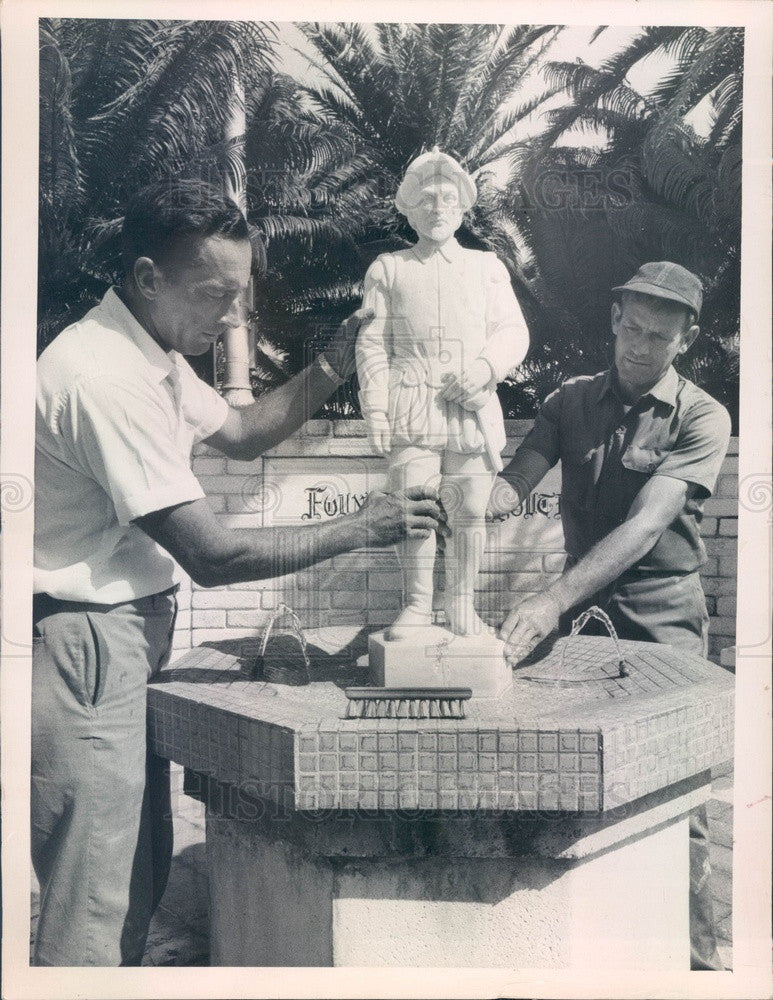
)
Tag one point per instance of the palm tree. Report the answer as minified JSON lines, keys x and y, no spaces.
{"x":326,"y":159}
{"x":297,"y":196}
{"x":124,"y":103}
{"x":648,"y":187}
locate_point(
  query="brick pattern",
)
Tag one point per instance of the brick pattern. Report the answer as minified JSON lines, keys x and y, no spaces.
{"x":364,"y":588}
{"x":719,"y":530}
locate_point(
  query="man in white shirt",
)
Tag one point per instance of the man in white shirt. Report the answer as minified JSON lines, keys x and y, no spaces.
{"x":118,"y":509}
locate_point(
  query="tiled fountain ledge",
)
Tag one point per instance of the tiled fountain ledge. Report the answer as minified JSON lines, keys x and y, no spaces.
{"x":349,"y":842}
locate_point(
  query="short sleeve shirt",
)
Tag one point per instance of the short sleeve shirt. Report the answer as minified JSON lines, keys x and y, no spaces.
{"x":117,"y":417}
{"x":608,"y":452}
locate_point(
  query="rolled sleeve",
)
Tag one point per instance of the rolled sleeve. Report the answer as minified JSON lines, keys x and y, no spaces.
{"x":700,"y":447}
{"x":123,"y":435}
{"x":545,"y":435}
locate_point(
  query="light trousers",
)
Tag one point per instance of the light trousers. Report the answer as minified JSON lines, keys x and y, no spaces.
{"x":100,"y":805}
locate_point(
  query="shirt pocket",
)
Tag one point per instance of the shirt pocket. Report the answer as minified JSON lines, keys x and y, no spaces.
{"x":637,"y":466}
{"x":644,"y":461}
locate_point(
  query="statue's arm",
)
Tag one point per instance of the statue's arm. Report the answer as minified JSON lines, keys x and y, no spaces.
{"x":506,"y":344}
{"x":507,"y":336}
{"x":373,"y":357}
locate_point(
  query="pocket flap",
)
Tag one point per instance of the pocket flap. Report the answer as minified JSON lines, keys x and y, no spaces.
{"x":645,"y":460}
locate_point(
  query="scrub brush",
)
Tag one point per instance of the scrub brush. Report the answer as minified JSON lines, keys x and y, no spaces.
{"x":406,"y":703}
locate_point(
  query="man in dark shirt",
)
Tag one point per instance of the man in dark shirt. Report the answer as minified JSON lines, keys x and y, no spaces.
{"x":640,"y":450}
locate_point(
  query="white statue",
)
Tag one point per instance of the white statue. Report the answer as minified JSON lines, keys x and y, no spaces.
{"x":446,"y":329}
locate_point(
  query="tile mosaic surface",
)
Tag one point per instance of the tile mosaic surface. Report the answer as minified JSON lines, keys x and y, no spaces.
{"x":573,"y":735}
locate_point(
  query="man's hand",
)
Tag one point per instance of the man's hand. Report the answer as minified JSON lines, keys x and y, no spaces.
{"x":377,"y":429}
{"x":464,"y":389}
{"x":249,"y":431}
{"x":411,"y":513}
{"x":528,"y":624}
{"x":339,"y":353}
{"x":214,"y":555}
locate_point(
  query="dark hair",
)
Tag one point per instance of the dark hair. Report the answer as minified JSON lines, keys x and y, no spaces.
{"x":164,"y":220}
{"x":691,"y":317}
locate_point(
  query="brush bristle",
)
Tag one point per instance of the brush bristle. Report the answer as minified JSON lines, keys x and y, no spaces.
{"x":406,"y":703}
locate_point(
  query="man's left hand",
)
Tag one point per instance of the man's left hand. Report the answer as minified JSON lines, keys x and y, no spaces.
{"x":339,"y":353}
{"x":527,"y":625}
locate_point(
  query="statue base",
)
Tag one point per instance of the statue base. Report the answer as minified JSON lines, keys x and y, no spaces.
{"x":435,"y":657}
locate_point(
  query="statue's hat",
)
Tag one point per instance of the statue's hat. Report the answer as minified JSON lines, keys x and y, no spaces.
{"x":429,"y":167}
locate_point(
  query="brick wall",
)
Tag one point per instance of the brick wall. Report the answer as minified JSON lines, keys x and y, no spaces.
{"x":327,"y":469}
{"x":720,"y":535}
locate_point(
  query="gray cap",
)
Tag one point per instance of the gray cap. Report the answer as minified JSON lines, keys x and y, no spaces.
{"x":667,"y":280}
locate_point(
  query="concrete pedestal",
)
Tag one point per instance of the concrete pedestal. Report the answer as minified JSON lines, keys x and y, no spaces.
{"x":545,"y":829}
{"x":446,"y":892}
{"x":438,"y":658}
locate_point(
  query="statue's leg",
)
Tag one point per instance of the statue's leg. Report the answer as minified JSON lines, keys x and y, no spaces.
{"x":414,"y":467}
{"x":465,"y":490}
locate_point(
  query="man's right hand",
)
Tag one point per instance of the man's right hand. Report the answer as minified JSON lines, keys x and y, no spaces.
{"x":339,"y":353}
{"x":410,"y":513}
{"x":527,"y":625}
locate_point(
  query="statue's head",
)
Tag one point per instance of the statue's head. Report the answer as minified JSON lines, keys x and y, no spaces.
{"x":434,"y":195}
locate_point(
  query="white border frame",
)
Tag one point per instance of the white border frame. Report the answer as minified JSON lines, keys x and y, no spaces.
{"x":751,"y":871}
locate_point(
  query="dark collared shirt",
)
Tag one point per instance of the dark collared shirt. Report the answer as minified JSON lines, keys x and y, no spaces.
{"x":608,"y":454}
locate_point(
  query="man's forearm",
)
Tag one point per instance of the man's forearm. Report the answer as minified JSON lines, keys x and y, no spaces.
{"x":213,"y":554}
{"x":245,"y":554}
{"x":605,"y":562}
{"x":270,"y":419}
{"x":655,"y":506}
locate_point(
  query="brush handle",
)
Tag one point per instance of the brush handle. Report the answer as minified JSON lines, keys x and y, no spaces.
{"x":374,"y":693}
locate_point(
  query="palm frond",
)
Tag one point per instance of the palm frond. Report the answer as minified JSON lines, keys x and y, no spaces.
{"x":513,"y":58}
{"x":673,"y":165}
{"x":727,"y":112}
{"x":60,"y":174}
{"x":702,"y":58}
